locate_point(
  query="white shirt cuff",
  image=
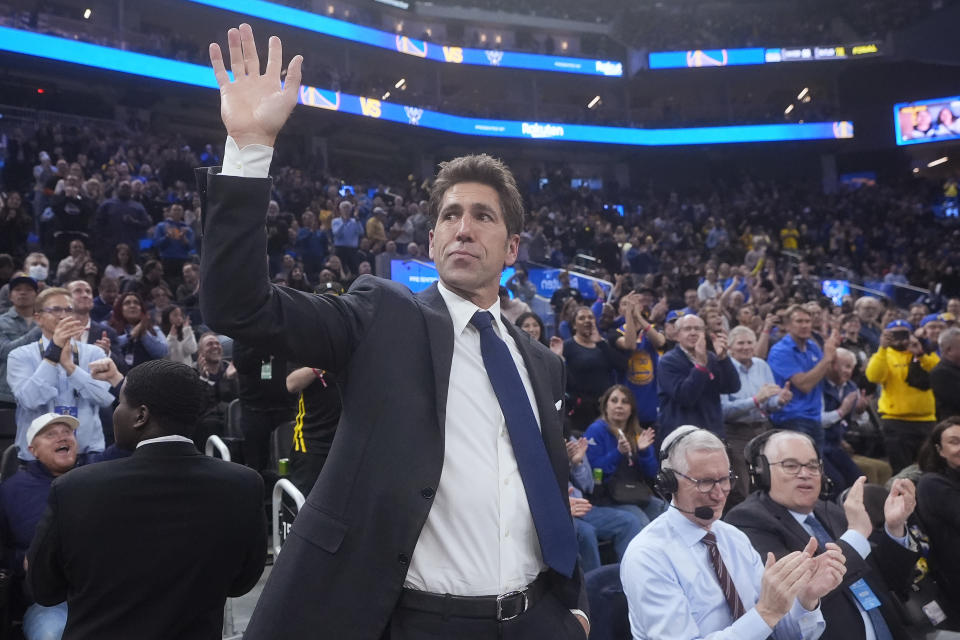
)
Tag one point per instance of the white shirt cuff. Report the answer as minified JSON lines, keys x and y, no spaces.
{"x":577,"y":612}
{"x":856,"y":540}
{"x":253,"y":161}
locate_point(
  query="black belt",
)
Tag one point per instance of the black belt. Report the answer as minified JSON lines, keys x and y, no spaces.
{"x":503,"y":607}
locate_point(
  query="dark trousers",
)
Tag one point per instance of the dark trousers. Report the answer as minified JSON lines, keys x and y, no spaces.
{"x":738,"y":435}
{"x":349,"y":257}
{"x":257,"y":427}
{"x":173,"y":271}
{"x":903,"y":439}
{"x":547,"y":620}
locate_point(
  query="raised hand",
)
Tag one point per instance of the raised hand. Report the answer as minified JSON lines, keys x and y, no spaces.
{"x":106,"y":369}
{"x":914,"y":346}
{"x":255,"y":106}
{"x":782,"y":581}
{"x":830,"y":345}
{"x":849,"y":403}
{"x":68,"y":328}
{"x":857,"y":517}
{"x":700,"y":350}
{"x":786,"y":395}
{"x":659,"y":311}
{"x":829,"y":568}
{"x":645,"y":439}
{"x":623,"y":445}
{"x":576,"y":450}
{"x":900,"y":503}
{"x":104,"y":343}
{"x":556,"y":345}
{"x":720,"y":345}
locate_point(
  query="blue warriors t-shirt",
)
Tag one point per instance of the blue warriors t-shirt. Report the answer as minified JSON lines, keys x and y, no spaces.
{"x":640,"y":376}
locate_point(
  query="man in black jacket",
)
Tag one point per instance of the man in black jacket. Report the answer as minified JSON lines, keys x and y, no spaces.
{"x":442,"y":509}
{"x":781,"y":517}
{"x":945,"y":377}
{"x":150,"y":546}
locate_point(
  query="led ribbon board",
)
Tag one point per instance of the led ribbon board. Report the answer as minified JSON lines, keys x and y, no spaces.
{"x":411,"y":46}
{"x":143,"y":65}
{"x":923,"y":121}
{"x":757,"y":55}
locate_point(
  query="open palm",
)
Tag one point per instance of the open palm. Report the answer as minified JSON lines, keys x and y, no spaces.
{"x":254,"y":106}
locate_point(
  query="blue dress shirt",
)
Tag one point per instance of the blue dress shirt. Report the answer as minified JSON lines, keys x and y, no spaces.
{"x":786,"y":360}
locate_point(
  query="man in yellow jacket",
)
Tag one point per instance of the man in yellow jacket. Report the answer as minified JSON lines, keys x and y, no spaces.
{"x":907,"y":406}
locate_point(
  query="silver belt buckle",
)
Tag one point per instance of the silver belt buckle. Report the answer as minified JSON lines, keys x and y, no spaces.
{"x":502,"y":597}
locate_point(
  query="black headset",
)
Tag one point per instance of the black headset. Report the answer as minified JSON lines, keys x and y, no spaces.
{"x":758,"y":465}
{"x":666,"y":482}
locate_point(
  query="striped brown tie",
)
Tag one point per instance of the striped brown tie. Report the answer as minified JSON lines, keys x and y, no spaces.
{"x":726,"y":582}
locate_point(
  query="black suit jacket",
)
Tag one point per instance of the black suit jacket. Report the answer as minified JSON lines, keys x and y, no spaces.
{"x":94,"y":334}
{"x":149,"y":546}
{"x":770,"y":527}
{"x":342,"y":570}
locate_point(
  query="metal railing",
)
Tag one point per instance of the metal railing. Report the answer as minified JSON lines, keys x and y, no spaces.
{"x":282,"y":487}
{"x":216,"y":445}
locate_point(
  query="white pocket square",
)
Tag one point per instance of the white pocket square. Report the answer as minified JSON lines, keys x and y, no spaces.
{"x":559,"y":404}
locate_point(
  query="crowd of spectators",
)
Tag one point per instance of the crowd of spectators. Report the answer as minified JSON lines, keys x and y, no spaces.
{"x":715,"y":316}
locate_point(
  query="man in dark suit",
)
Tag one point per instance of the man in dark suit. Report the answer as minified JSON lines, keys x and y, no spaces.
{"x":781,"y":517}
{"x":387,"y":545}
{"x":100,"y":334}
{"x":690,"y":380}
{"x":150,"y":546}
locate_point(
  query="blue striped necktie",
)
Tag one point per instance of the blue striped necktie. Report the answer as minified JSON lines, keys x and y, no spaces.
{"x":551,"y":515}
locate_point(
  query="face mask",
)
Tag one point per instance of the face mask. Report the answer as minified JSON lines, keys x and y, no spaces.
{"x":38,"y":272}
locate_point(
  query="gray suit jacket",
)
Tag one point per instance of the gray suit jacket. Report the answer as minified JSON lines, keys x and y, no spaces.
{"x":342,"y":569}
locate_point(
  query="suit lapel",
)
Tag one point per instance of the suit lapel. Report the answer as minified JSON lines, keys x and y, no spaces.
{"x":797,"y":534}
{"x":550,"y":429}
{"x":440,"y":333}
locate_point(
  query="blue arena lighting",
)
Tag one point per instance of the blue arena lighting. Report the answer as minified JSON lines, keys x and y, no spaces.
{"x":705,"y":58}
{"x":411,"y":46}
{"x":758,"y":55}
{"x":139,"y":64}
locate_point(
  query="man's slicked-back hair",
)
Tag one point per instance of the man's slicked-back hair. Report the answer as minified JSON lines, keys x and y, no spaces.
{"x":170,"y":390}
{"x":485,"y":170}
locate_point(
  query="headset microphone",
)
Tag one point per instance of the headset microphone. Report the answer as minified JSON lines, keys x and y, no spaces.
{"x":702,"y":513}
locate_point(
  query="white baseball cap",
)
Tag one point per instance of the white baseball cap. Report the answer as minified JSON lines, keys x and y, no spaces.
{"x":40,"y":423}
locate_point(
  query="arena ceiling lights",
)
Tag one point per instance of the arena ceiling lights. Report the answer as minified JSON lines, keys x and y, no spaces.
{"x":411,"y":46}
{"x":91,"y":55}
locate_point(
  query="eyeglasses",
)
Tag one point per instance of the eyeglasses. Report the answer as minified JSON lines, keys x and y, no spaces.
{"x":792,"y":467}
{"x":57,"y":311}
{"x":706,"y":485}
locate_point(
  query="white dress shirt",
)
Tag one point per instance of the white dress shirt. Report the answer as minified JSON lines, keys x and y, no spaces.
{"x":171,"y":438}
{"x":673,"y":592}
{"x":479,"y":537}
